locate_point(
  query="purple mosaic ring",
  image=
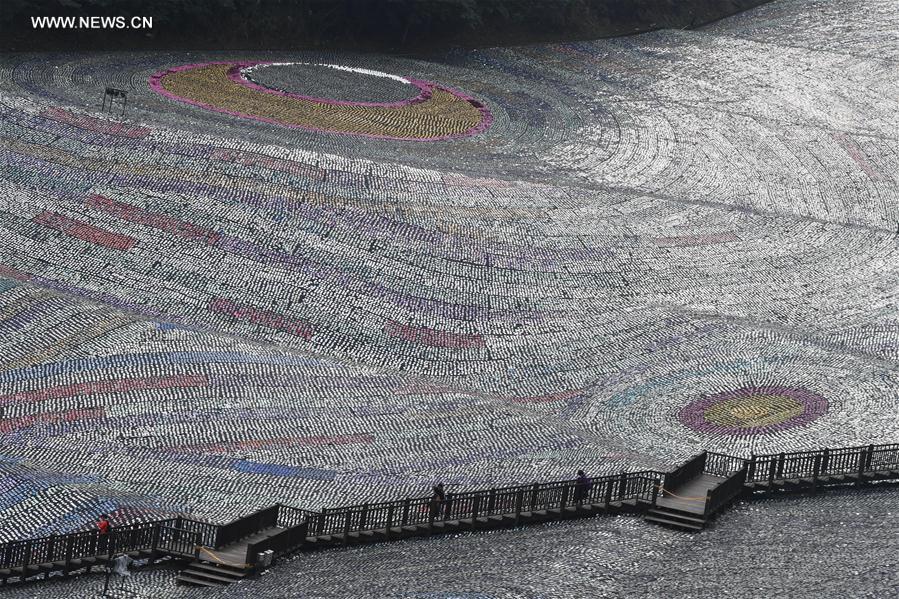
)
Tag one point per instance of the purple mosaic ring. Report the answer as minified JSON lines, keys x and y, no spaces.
{"x":436,"y":113}
{"x":755,"y":410}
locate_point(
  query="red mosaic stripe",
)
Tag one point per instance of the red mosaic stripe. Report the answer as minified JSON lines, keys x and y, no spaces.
{"x":155,"y":220}
{"x":84,"y":231}
{"x":93,"y":124}
{"x":265,"y":318}
{"x":109,"y":386}
{"x":12,"y":424}
{"x":433,"y":337}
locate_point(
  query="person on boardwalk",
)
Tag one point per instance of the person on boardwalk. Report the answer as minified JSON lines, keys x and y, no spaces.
{"x":103,"y":528}
{"x":438,"y":499}
{"x":582,"y":486}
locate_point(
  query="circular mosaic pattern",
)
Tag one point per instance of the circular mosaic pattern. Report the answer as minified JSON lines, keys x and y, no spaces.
{"x":753,"y":410}
{"x":436,"y":112}
{"x":334,"y":82}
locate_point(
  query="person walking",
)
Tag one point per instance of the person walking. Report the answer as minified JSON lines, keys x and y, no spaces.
{"x":582,"y":486}
{"x":103,"y":529}
{"x":437,"y":500}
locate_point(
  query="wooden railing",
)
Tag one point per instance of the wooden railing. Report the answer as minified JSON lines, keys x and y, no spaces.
{"x":823,"y":462}
{"x":281,"y":543}
{"x":174,"y":540}
{"x":721,"y":464}
{"x":722,"y":495}
{"x":181,"y":536}
{"x":245,"y":526}
{"x":290,"y":516}
{"x":690,"y":469}
{"x":475,"y":504}
{"x":163,"y":535}
{"x":206,"y":532}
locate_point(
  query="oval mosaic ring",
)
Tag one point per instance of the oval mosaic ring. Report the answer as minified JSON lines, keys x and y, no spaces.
{"x":436,"y":113}
{"x":753,"y":410}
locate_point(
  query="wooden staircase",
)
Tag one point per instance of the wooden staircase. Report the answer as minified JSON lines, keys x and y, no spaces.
{"x":220,"y":567}
{"x":693,"y":493}
{"x":676,"y":518}
{"x":206,"y":574}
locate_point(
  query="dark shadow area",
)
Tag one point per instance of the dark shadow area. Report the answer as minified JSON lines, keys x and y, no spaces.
{"x":405,"y":26}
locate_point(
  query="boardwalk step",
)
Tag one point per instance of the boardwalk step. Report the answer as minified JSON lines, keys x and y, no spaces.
{"x":669,"y":515}
{"x":675,"y":523}
{"x":233,"y":572}
{"x":185,"y":579}
{"x":684,"y":513}
{"x":206,"y":575}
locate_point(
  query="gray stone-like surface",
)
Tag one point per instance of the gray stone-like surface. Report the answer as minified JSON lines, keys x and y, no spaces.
{"x":320,"y":81}
{"x":258,"y":314}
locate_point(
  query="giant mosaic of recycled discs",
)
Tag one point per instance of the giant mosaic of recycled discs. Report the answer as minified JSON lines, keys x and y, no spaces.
{"x":667,"y":243}
{"x":435,"y":113}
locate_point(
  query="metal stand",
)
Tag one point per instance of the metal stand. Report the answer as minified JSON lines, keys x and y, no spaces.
{"x":115,"y":95}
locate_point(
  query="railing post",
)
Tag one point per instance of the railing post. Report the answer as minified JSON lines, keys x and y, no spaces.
{"x":564,"y":498}
{"x":825,"y":460}
{"x":433,"y":507}
{"x":389,"y":523}
{"x":491,"y":502}
{"x":862,"y":458}
{"x":817,"y":472}
{"x":655,"y":491}
{"x":781,"y":459}
{"x":406,"y":511}
{"x":519,"y":499}
{"x":609,"y":484}
{"x":750,"y":473}
{"x":346,"y":527}
{"x":869,"y":457}
{"x":70,"y":542}
{"x":622,"y":485}
{"x":51,"y":547}
{"x":321,"y":522}
{"x":363,"y":517}
{"x":27,"y":556}
{"x":475,"y":506}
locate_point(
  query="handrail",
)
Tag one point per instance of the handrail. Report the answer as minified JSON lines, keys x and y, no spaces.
{"x":686,"y":471}
{"x":246,"y":525}
{"x":482,"y":503}
{"x":823,"y":462}
{"x":722,"y":464}
{"x":721,"y":496}
{"x":169,"y":534}
{"x":283,"y":542}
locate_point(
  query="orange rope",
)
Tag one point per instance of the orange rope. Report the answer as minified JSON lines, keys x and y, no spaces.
{"x":218,"y":559}
{"x":664,"y":491}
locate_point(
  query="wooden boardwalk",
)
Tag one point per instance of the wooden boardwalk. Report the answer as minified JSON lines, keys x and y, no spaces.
{"x":235,"y":554}
{"x":687,"y":498}
{"x":690,"y":496}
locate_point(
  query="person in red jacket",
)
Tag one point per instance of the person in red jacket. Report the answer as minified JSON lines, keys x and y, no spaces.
{"x":103,"y":529}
